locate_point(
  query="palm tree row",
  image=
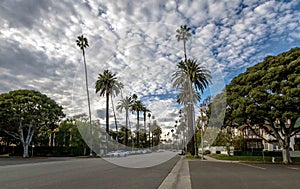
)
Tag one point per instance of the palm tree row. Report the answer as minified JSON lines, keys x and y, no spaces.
{"x":191,"y":79}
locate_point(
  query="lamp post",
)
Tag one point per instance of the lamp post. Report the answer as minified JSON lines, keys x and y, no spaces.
{"x":32,"y":146}
{"x":202,"y":109}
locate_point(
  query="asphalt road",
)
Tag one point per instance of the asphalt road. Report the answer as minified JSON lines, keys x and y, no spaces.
{"x":81,"y":173}
{"x":216,"y":175}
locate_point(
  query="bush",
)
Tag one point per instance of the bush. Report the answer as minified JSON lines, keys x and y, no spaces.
{"x":206,"y":152}
{"x":257,"y":153}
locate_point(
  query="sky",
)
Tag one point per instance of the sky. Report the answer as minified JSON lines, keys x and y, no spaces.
{"x":136,"y":40}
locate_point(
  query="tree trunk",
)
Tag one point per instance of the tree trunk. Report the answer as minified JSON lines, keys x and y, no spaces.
{"x":107,"y":113}
{"x":25,"y":150}
{"x":145,"y":134}
{"x":89,"y":106}
{"x":138,"y":129}
{"x":286,"y":156}
{"x":191,"y":145}
{"x":126,"y":129}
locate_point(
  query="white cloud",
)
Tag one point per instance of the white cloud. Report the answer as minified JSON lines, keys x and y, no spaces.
{"x":137,"y":41}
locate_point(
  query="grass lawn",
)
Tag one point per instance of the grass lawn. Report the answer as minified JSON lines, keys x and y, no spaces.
{"x":254,"y":159}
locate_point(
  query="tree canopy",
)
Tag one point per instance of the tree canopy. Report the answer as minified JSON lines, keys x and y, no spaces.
{"x":268,"y":94}
{"x":22,"y":112}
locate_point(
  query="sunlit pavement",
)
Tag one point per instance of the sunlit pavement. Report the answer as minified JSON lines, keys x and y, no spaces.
{"x":216,"y":174}
{"x":78,"y":173}
{"x":142,"y":160}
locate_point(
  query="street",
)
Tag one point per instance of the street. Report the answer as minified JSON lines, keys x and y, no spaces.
{"x":215,"y":175}
{"x":81,"y":173}
{"x":97,"y":173}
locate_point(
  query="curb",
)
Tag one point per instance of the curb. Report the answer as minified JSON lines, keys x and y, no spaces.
{"x":179,"y":177}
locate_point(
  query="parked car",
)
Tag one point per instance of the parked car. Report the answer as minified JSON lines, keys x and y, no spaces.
{"x":118,"y":153}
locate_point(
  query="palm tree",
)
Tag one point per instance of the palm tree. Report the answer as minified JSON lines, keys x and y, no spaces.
{"x":183,"y":33}
{"x":82,"y":43}
{"x":108,"y":85}
{"x":145,"y":110}
{"x":149,"y":116}
{"x":192,"y":71}
{"x":156,"y":132}
{"x":137,"y":107}
{"x":184,"y":96}
{"x":126,"y":104}
{"x":190,"y":77}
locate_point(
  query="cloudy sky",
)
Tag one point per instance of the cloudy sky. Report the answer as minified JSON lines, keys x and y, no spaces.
{"x":136,"y":40}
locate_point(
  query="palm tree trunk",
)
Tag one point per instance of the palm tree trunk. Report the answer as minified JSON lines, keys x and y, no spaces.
{"x":138,"y":129}
{"x":89,"y":106}
{"x":107,"y":113}
{"x":126,"y":128}
{"x":145,"y":134}
{"x":192,"y":145}
{"x":184,"y":48}
{"x":112,"y":104}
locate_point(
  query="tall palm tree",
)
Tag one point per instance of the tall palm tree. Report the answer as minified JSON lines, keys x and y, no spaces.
{"x":156,"y":132}
{"x":145,"y":110}
{"x":184,"y":96}
{"x":137,"y":107}
{"x":183,"y":33}
{"x":125,"y":103}
{"x":191,"y":76}
{"x":82,"y":43}
{"x":107,"y":85}
{"x":192,"y":71}
{"x":149,"y":116}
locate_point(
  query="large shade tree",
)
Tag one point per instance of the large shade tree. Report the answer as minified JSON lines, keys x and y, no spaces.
{"x":24,"y":112}
{"x":107,"y":85}
{"x":268,"y":95}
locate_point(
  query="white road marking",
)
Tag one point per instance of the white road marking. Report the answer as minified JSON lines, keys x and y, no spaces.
{"x":294,"y":168}
{"x":253,"y":166}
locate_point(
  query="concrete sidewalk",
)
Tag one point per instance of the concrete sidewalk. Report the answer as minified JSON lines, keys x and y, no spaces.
{"x":179,"y":177}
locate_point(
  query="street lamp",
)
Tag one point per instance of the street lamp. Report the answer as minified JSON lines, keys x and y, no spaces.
{"x":202,"y":109}
{"x":32,"y":149}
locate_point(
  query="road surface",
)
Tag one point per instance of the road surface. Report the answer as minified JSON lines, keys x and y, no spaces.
{"x":79,"y":173}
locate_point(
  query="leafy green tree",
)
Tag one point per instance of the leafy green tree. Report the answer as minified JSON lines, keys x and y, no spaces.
{"x":268,"y":94}
{"x":24,"y":112}
{"x":107,"y":84}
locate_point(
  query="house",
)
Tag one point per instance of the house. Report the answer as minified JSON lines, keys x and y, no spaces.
{"x":254,"y":139}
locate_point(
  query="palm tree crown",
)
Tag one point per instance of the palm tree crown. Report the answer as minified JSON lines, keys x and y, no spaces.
{"x":107,"y":84}
{"x":182,"y":35}
{"x":82,"y":42}
{"x":199,"y":76}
